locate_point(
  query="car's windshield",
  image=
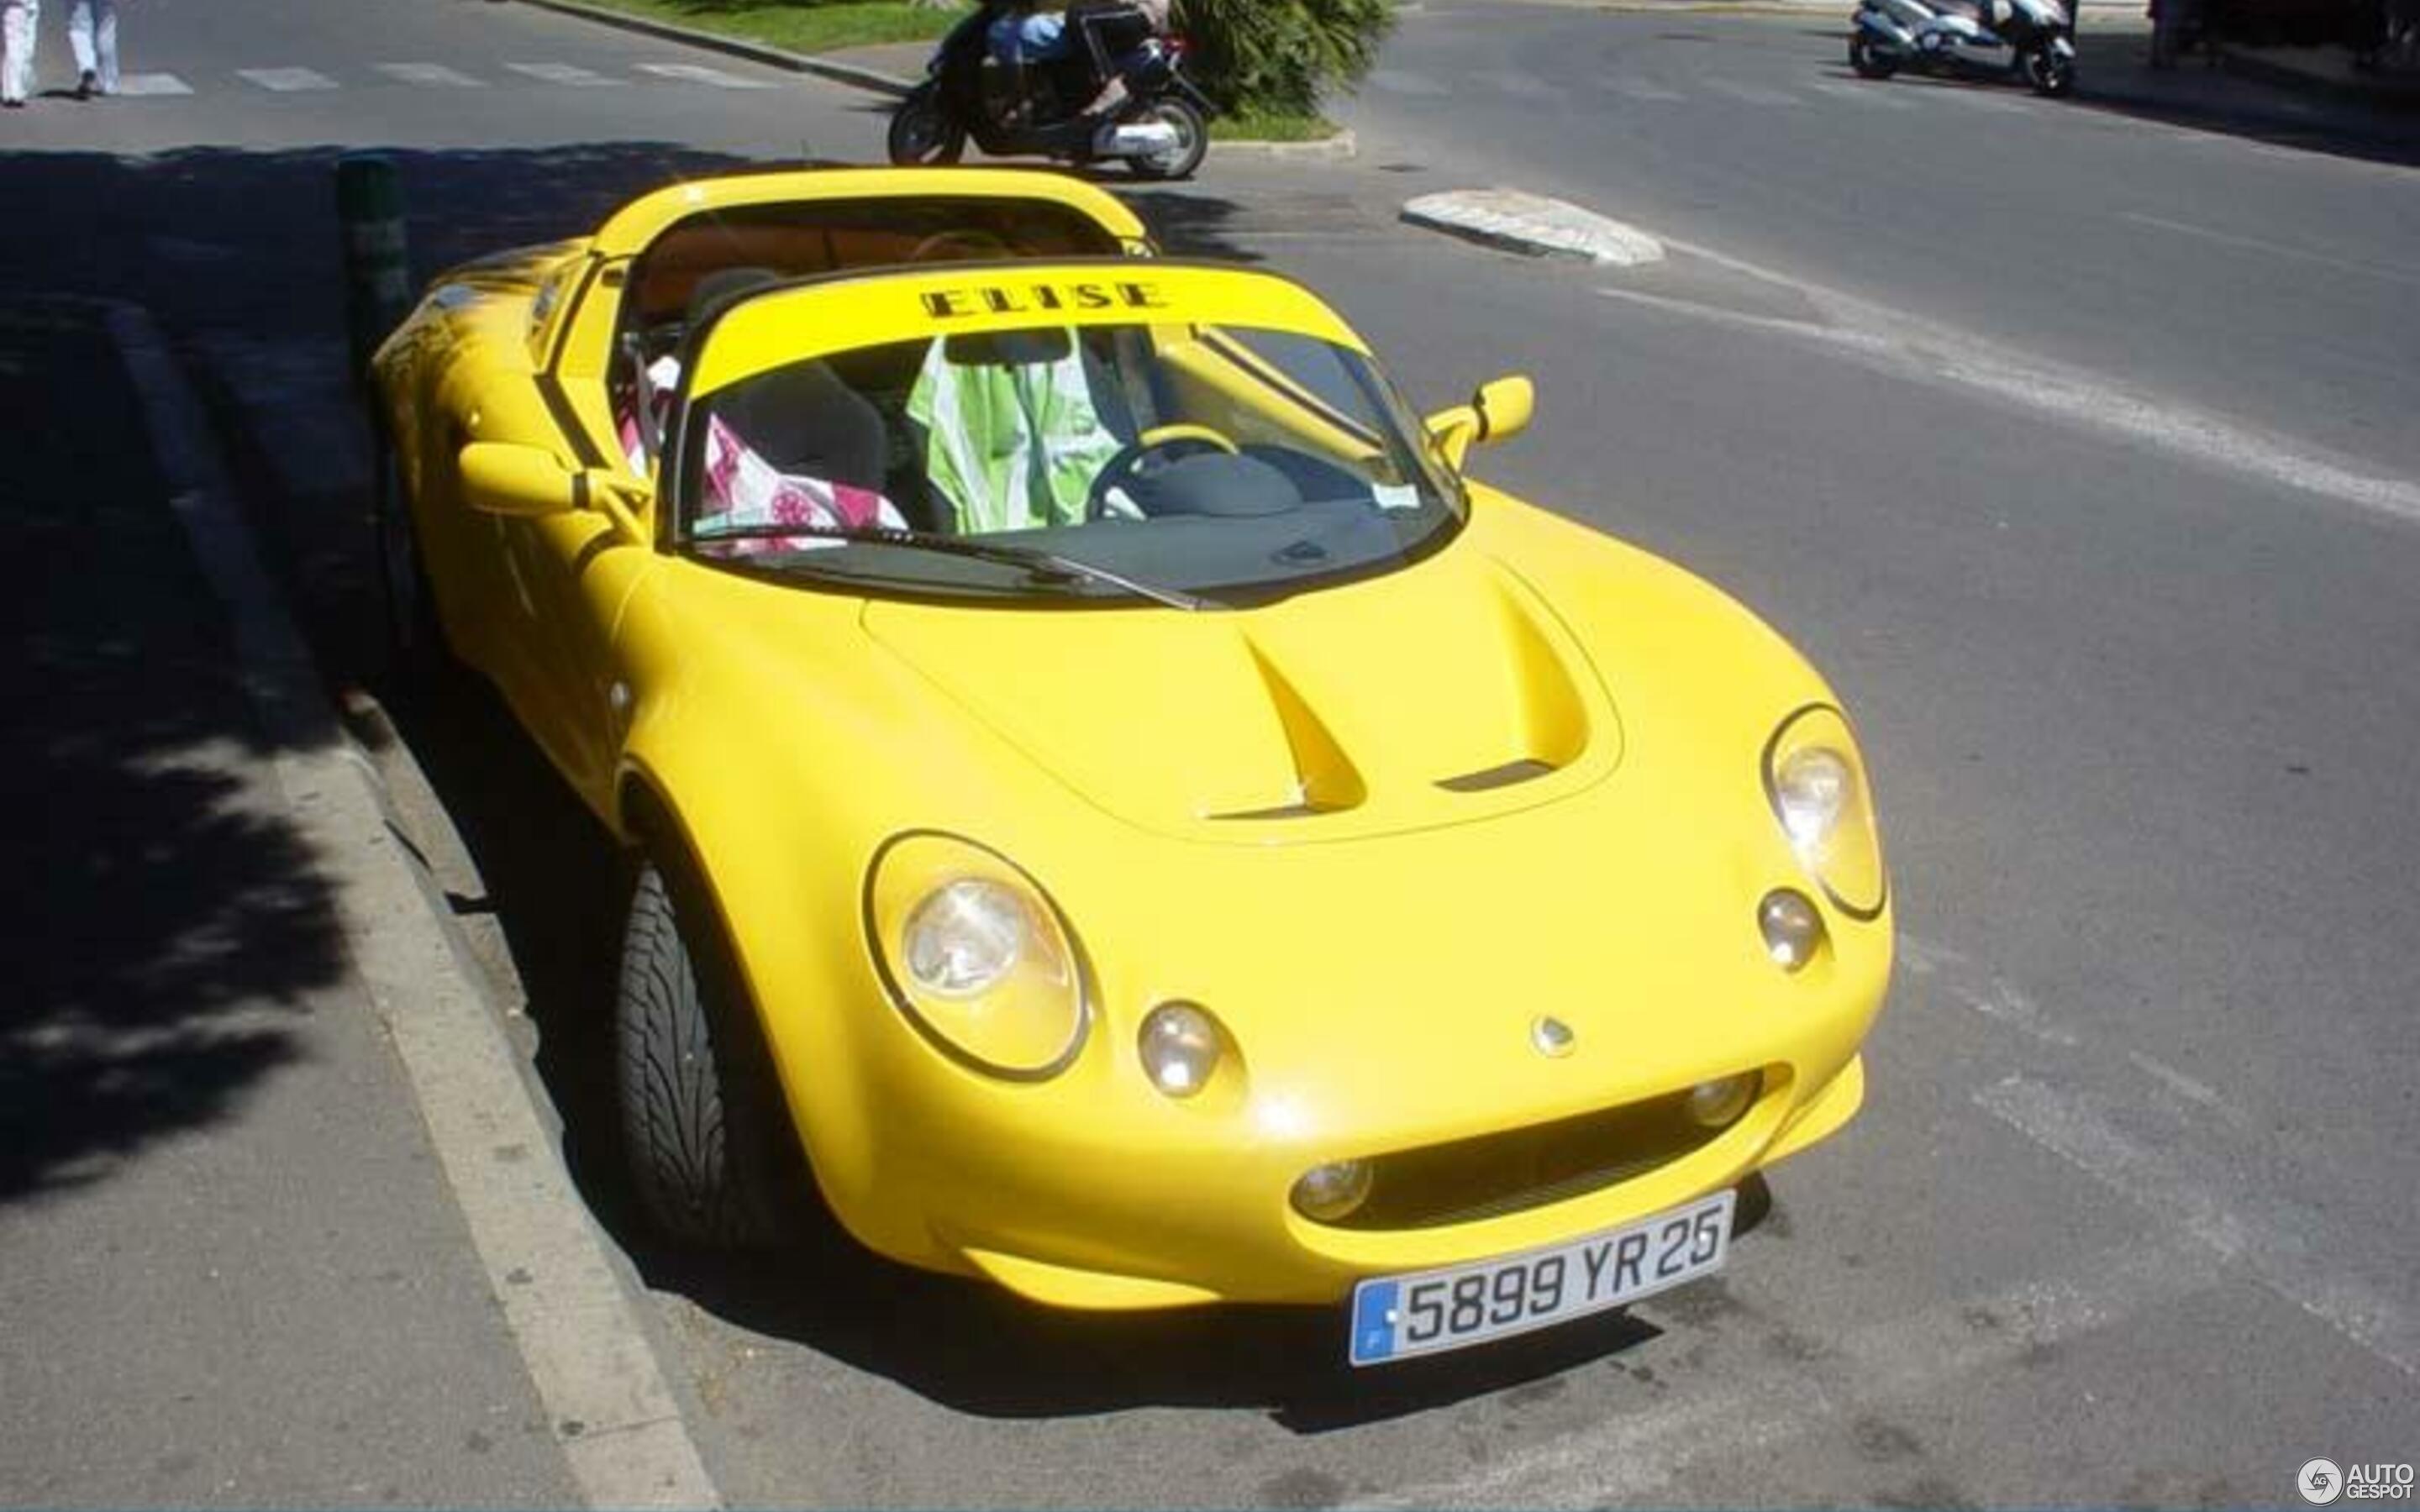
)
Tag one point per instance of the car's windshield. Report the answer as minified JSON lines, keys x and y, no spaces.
{"x":1221,"y":464}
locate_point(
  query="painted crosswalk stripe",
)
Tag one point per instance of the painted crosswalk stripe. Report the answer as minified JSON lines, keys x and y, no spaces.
{"x":1884,"y":96}
{"x":700,"y":74}
{"x":152,"y":84}
{"x":1527,"y":86}
{"x":563,"y":73}
{"x":1636,"y":88}
{"x":430,"y":75}
{"x":1754,"y":94}
{"x":1400,"y":82}
{"x":287,"y":81}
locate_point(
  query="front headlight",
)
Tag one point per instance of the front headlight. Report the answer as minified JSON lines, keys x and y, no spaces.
{"x":977,"y":956}
{"x":1817,"y":787}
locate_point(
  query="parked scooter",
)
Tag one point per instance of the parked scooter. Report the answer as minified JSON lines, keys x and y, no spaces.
{"x":2034,"y":39}
{"x":1040,"y":109}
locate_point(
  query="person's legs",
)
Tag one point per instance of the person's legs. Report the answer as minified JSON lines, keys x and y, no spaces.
{"x":17,"y":33}
{"x":92,"y":33}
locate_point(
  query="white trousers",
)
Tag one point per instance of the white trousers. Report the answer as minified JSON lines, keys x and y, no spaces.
{"x":92,"y":34}
{"x":17,"y":18}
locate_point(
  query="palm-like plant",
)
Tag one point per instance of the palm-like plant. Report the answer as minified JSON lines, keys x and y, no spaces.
{"x":1282,"y":55}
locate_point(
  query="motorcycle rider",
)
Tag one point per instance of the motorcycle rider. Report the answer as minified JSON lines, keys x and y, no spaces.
{"x":1044,"y":31}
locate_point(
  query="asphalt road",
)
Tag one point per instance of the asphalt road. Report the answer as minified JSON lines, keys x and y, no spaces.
{"x":2106,"y":552}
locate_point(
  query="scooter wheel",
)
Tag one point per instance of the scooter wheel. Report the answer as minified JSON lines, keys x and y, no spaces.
{"x":2049,"y":73}
{"x":922,"y":132}
{"x":1192,"y":140}
{"x":1869,"y":61}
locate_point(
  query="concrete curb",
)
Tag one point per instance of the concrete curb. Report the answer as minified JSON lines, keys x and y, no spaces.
{"x":1341,"y":147}
{"x":555,"y":1282}
{"x":849,"y":73}
{"x":1521,"y":221}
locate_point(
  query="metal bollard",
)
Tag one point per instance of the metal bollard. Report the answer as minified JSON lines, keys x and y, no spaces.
{"x":378,"y":274}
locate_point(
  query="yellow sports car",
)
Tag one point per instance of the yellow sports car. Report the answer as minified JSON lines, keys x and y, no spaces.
{"x":1116,"y":808}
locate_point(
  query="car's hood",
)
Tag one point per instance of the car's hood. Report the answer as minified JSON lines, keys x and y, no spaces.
{"x":1446,"y":692}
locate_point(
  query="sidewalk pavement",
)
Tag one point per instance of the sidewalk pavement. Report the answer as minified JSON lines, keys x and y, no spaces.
{"x":247,"y":1257}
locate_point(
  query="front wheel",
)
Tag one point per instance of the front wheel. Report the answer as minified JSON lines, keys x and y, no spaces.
{"x":711,"y":1146}
{"x":923,"y":132}
{"x":1192,"y":140}
{"x":2050,"y":72}
{"x":1869,"y":61}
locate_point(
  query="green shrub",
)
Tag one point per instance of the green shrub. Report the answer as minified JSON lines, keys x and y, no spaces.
{"x":1281,"y":55}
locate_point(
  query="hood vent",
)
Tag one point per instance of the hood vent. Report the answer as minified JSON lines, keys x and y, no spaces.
{"x":1507,"y":775}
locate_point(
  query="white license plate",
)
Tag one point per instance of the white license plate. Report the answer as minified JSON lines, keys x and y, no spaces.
{"x":1397,"y":1317}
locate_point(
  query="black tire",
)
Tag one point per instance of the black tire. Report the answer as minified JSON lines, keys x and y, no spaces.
{"x":416,"y":641}
{"x":1192,"y":140}
{"x":922,"y":132}
{"x":706,"y":1132}
{"x":1867,"y":60}
{"x":2050,"y":76}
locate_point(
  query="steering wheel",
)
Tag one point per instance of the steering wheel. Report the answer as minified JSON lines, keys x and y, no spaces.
{"x":1127,"y":463}
{"x":959,"y":242}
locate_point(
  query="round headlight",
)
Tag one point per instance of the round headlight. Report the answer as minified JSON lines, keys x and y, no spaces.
{"x":1180,"y":1047}
{"x":1792,"y":928}
{"x":964,"y":936}
{"x":976,"y":956}
{"x":1718,"y":1104}
{"x":1809,"y":790}
{"x":1327,"y":1194}
{"x":1817,"y":785}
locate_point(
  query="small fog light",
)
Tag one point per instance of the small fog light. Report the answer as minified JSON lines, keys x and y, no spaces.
{"x":1718,"y":1104}
{"x":1180,"y":1047}
{"x":1328,"y":1192}
{"x":1793,"y":931}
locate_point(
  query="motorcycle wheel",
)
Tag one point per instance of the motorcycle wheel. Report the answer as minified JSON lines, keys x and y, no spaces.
{"x":922,"y":133}
{"x":1192,"y":140}
{"x":2050,"y":74}
{"x":1869,"y":62}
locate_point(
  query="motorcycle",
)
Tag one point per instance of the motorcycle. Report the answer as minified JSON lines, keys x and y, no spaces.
{"x":1157,"y":129}
{"x":2034,"y":39}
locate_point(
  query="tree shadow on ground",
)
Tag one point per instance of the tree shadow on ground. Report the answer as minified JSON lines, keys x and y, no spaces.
{"x":164,"y":922}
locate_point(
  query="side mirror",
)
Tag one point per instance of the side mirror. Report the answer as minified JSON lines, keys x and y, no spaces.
{"x":1495,"y":411}
{"x":504,"y":478}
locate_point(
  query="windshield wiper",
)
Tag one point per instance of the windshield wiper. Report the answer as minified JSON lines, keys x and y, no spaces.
{"x":1043,"y":564}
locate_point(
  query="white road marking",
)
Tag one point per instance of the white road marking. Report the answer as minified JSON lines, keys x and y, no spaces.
{"x":430,"y":75}
{"x":700,"y":74}
{"x":564,"y":73}
{"x":1941,"y":354}
{"x":2191,"y":1089}
{"x":2275,"y":248}
{"x":1404,"y":82}
{"x":287,"y":81}
{"x":1638,"y":88}
{"x":2287,"y":1249}
{"x":1881,"y":95}
{"x":152,"y":84}
{"x":610,"y":1411}
{"x":1753,"y":93}
{"x":1634,"y":1458}
{"x":1529,"y":87}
